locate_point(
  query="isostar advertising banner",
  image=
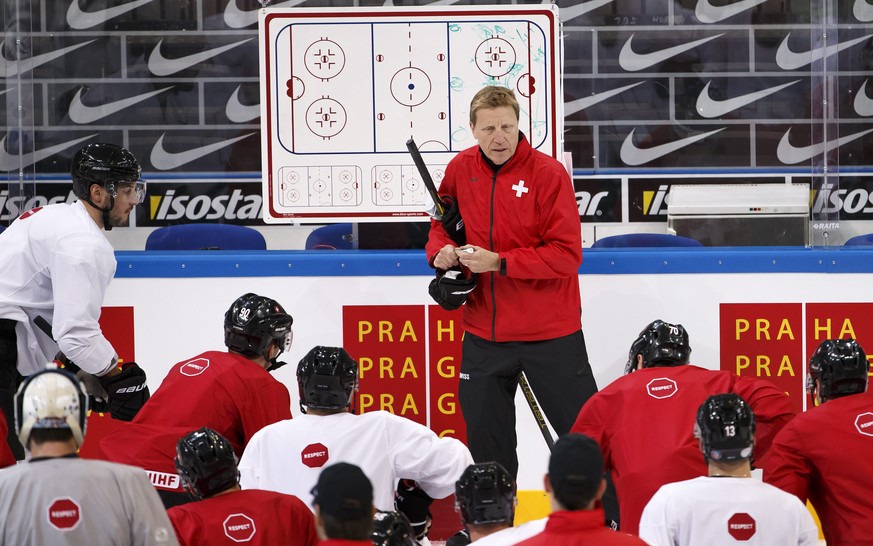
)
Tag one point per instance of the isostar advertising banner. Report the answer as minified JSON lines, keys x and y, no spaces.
{"x":599,"y":199}
{"x":169,"y":203}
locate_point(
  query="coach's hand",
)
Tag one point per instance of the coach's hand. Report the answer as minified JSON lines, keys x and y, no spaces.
{"x":127,"y":391}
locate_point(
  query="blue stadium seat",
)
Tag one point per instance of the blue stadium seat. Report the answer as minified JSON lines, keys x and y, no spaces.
{"x":631,"y":240}
{"x":331,"y":237}
{"x":860,"y":240}
{"x":206,"y":237}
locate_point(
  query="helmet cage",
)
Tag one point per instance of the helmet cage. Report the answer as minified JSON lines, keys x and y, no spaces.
{"x":485,"y":493}
{"x":726,"y":427}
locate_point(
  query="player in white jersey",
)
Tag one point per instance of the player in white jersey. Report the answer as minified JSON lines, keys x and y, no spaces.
{"x":55,"y":267}
{"x":288,"y":456}
{"x":56,"y":498}
{"x":727,"y":506}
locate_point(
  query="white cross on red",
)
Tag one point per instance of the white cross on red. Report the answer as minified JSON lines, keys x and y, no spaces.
{"x":520,"y":189}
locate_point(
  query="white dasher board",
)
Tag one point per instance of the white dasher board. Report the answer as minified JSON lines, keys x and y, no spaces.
{"x":342,"y":90}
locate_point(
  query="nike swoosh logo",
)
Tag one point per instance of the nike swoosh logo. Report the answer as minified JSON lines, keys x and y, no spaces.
{"x":237,"y":18}
{"x":84,"y":114}
{"x":11,"y":68}
{"x":571,"y":12}
{"x":632,"y":61}
{"x":9,"y":162}
{"x":707,"y":13}
{"x":862,"y":11}
{"x":710,"y":108}
{"x":238,"y":112}
{"x":863,"y":103}
{"x":631,"y":155}
{"x":789,"y":60}
{"x":161,"y":66}
{"x":79,"y":20}
{"x":581,"y":104}
{"x":164,"y":160}
{"x":788,"y":154}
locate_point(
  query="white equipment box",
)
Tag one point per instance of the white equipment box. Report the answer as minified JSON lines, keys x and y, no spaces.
{"x":740,"y":214}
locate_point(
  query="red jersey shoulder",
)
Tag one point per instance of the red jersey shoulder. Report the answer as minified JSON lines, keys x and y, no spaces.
{"x":29,"y":213}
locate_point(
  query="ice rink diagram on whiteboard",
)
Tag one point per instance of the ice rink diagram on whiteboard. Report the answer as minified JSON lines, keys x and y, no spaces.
{"x":344,"y":92}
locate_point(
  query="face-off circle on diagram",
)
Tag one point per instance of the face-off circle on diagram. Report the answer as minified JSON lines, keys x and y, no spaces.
{"x":495,"y":57}
{"x":324,"y":59}
{"x":326,"y":117}
{"x":410,"y":86}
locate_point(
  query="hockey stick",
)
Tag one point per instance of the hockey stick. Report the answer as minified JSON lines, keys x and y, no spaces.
{"x":440,"y":208}
{"x":535,"y":409}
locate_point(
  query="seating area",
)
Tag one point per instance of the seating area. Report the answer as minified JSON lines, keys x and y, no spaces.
{"x":206,"y":237}
{"x":637,"y":240}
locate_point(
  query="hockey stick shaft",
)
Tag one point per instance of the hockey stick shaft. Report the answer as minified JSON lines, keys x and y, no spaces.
{"x":535,"y":409}
{"x":425,"y":176}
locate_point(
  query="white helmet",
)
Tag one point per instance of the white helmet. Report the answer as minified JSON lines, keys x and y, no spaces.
{"x":52,"y":398}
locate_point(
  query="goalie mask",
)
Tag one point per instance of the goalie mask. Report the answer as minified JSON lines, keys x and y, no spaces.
{"x":485,"y":493}
{"x":51,"y":399}
{"x":726,"y":428}
{"x":660,"y":344}
{"x":840,"y":367}
{"x":327,"y":378}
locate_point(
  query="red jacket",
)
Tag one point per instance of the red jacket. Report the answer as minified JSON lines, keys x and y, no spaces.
{"x":573,"y":528}
{"x":644,"y":424}
{"x":6,"y":456}
{"x":250,"y":517}
{"x":527,"y":213}
{"x":824,"y":454}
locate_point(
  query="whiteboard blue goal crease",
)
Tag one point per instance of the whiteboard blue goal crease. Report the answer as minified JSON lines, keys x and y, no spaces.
{"x":343,"y":90}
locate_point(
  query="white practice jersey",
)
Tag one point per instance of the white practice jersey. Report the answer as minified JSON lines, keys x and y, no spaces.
{"x":726,"y":511}
{"x":75,"y":501}
{"x":289,"y":456}
{"x":513,"y":535}
{"x":56,"y":263}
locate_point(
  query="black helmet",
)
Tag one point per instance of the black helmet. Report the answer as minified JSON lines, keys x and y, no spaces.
{"x":485,"y":493}
{"x":206,"y":463}
{"x":102,"y":164}
{"x":841,"y":368}
{"x":253,"y":322}
{"x":327,"y":378}
{"x":661,"y":344}
{"x":392,"y":529}
{"x":726,"y":428}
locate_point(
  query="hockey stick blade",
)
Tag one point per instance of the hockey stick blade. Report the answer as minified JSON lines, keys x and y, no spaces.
{"x":535,"y":409}
{"x":426,"y":178}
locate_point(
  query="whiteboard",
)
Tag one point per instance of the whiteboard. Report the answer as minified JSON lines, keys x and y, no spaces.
{"x":343,"y":90}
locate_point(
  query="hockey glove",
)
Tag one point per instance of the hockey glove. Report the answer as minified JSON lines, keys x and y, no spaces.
{"x":452,"y":222}
{"x":97,"y":396}
{"x":415,"y":505}
{"x":127,"y":391}
{"x":450,"y":288}
{"x":461,"y":538}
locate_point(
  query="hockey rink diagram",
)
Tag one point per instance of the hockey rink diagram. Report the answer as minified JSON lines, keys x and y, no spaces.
{"x":342,"y":93}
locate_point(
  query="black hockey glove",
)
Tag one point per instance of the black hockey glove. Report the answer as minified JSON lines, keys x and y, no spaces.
{"x":415,"y":505}
{"x":452,"y":222}
{"x":461,"y":538}
{"x":450,"y":288}
{"x":127,"y":391}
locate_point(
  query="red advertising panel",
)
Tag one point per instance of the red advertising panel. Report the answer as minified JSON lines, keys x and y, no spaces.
{"x":388,"y":341}
{"x":764,"y":340}
{"x":117,"y":325}
{"x":445,"y":331}
{"x":839,"y":321}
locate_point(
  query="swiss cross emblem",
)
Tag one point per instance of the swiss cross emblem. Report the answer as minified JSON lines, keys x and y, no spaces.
{"x":31,"y":212}
{"x":194,"y":367}
{"x":662,"y":387}
{"x":519,"y":188}
{"x":239,"y":527}
{"x":314,"y":455}
{"x":864,"y":423}
{"x":64,"y":514}
{"x":741,"y":526}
